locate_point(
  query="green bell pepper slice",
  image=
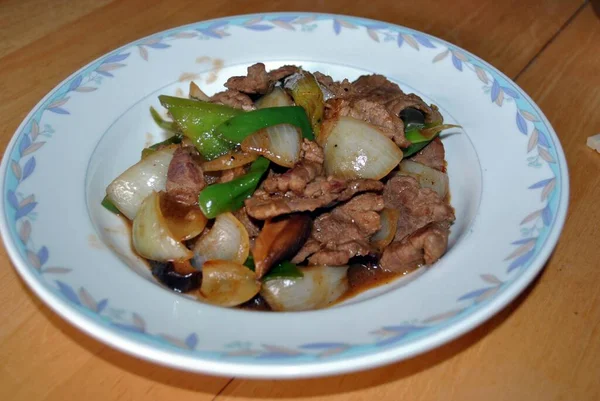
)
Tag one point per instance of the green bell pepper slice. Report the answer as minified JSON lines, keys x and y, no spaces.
{"x":172,"y":140}
{"x":198,"y":120}
{"x":285,"y":269}
{"x":108,"y":205}
{"x":170,"y":126}
{"x":229,"y":196}
{"x":420,"y":135}
{"x":236,"y":129}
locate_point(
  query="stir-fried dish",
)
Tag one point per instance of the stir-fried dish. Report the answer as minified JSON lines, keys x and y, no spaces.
{"x":289,"y":190}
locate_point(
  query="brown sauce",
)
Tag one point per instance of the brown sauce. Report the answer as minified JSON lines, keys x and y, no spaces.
{"x":366,"y":276}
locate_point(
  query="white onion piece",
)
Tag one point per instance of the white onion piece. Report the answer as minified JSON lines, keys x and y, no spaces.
{"x":276,"y":98}
{"x":426,"y":176}
{"x":128,"y":191}
{"x":229,"y":161}
{"x":320,"y":287}
{"x":387,"y":232}
{"x":227,"y":240}
{"x":226,"y":283}
{"x":356,"y":149}
{"x":151,"y":236}
{"x":184,"y":222}
{"x":280,"y":143}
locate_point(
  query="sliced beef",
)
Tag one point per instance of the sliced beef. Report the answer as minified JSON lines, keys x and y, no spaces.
{"x":425,"y":246}
{"x":322,"y":192}
{"x":185,"y":179}
{"x":282,"y":72}
{"x":257,"y":81}
{"x":423,"y":224}
{"x":376,"y":100}
{"x":312,"y":152}
{"x":432,"y":155}
{"x":344,"y":232}
{"x":418,"y":206}
{"x":335,"y":88}
{"x":310,"y":246}
{"x":249,"y":223}
{"x":297,"y":178}
{"x":233,"y":98}
{"x":301,"y":188}
{"x":370,"y":111}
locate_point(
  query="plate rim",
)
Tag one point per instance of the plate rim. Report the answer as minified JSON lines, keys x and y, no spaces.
{"x":240,"y":368}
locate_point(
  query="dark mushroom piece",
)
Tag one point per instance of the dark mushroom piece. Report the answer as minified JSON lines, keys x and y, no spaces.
{"x":257,"y":303}
{"x":179,"y":276}
{"x":280,"y":239}
{"x":412,"y":116}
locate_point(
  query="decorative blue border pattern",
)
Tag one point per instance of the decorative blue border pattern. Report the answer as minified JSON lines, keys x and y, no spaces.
{"x":534,"y":230}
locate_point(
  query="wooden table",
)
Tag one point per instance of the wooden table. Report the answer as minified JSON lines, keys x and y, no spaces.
{"x":544,"y":346}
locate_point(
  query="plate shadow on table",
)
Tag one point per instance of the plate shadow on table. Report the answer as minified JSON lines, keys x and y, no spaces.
{"x":293,"y":388}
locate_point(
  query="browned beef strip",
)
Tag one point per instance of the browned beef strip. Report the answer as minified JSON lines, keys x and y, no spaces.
{"x":250,"y":225}
{"x":282,"y":72}
{"x":257,"y":81}
{"x":370,"y":111}
{"x":310,"y":246}
{"x":423,"y":224}
{"x":185,"y":179}
{"x":312,"y":152}
{"x":418,"y":206}
{"x":233,"y":98}
{"x":337,"y":89}
{"x":425,"y":246}
{"x":296,"y":179}
{"x":344,"y":232}
{"x":322,"y":192}
{"x":376,"y":100}
{"x":432,"y":155}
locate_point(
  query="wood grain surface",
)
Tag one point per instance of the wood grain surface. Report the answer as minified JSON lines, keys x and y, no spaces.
{"x":544,"y":346}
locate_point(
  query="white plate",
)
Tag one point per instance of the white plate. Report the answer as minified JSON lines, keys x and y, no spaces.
{"x":507,"y":173}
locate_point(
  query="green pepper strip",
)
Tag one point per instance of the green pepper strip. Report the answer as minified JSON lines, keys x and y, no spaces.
{"x":108,"y":205}
{"x":198,"y":120}
{"x":175,"y":139}
{"x":420,"y":135}
{"x":166,"y":125}
{"x":229,"y":196}
{"x":284,"y":269}
{"x":239,"y":127}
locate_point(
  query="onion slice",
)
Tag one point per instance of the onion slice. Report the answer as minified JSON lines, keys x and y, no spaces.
{"x":280,"y":143}
{"x":276,"y":98}
{"x":319,"y":288}
{"x":184,"y":222}
{"x":226,"y":283}
{"x":229,"y":161}
{"x":227,"y":240}
{"x":356,"y":149}
{"x":151,"y":236}
{"x":426,"y":176}
{"x":128,"y":191}
{"x":389,"y":224}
